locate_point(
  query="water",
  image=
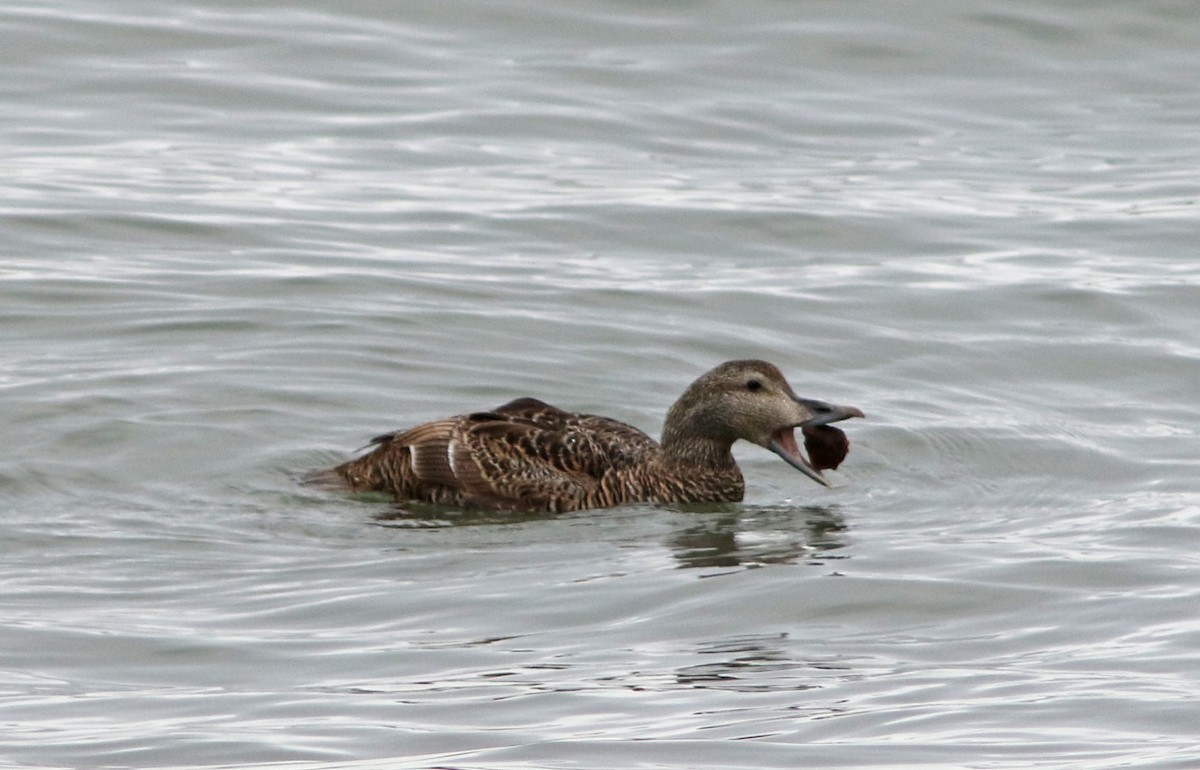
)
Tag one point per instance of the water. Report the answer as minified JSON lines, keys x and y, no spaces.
{"x":241,"y":238}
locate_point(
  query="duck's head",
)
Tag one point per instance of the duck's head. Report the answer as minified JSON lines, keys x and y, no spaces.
{"x":751,"y":400}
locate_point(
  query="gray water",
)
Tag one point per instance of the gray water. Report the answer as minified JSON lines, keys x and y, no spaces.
{"x":240,"y":239}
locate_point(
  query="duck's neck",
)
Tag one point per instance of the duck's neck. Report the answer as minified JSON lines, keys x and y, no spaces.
{"x":692,"y":437}
{"x":686,"y":449}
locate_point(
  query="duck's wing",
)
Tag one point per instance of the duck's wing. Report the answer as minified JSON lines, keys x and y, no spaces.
{"x":524,"y":455}
{"x":592,"y":444}
{"x":529,"y":455}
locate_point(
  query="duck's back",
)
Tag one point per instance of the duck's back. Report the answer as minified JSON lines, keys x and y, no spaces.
{"x":524,"y":455}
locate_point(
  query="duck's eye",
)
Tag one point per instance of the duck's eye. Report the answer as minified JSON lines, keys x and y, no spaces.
{"x":754,"y":386}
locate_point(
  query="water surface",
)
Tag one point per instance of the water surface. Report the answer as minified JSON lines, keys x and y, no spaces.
{"x":241,"y":239}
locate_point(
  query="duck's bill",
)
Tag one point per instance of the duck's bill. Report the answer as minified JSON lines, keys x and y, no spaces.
{"x":824,"y":413}
{"x":783,"y":443}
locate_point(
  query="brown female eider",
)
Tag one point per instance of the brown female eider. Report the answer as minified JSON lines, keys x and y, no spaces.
{"x":530,"y":456}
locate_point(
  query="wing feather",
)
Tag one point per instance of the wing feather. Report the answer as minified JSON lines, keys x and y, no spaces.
{"x":523,"y":455}
{"x":428,"y":449}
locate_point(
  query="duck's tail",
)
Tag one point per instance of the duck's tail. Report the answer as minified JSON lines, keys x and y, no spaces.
{"x":327,"y":478}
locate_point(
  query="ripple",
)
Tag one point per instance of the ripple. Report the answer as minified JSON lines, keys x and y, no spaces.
{"x":241,"y":241}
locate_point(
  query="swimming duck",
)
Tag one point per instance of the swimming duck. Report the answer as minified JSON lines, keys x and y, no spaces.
{"x":530,"y":456}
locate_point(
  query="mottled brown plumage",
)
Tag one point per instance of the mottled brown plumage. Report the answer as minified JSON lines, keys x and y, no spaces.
{"x":530,"y":456}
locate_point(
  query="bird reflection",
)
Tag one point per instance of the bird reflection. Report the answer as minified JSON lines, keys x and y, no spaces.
{"x":428,"y":515}
{"x":721,"y":535}
{"x":758,"y":536}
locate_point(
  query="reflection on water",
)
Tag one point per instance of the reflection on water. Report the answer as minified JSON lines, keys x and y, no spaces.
{"x":712,"y":535}
{"x":411,"y":515}
{"x":751,"y":664}
{"x":753,"y":537}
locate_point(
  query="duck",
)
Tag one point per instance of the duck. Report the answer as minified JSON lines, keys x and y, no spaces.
{"x":529,"y":456}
